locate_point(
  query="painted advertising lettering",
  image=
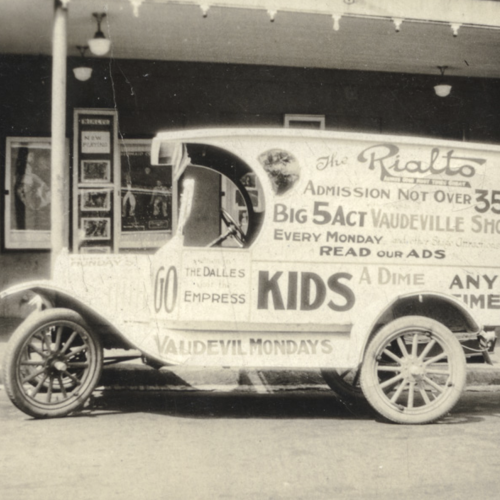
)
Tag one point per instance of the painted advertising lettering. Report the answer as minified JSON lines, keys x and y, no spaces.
{"x":215,"y":283}
{"x":344,"y":251}
{"x":346,"y":191}
{"x":204,"y":278}
{"x":214,"y":298}
{"x":309,"y":296}
{"x":387,"y":158}
{"x":386,"y":276}
{"x":366,"y":252}
{"x":476,"y":282}
{"x":371,"y":218}
{"x":214,"y":272}
{"x":111,"y":261}
{"x":168,"y":346}
{"x":280,"y":234}
{"x":322,"y":214}
{"x":165,"y":289}
{"x":337,"y":216}
{"x":352,"y":238}
{"x":282,"y":213}
{"x":330,"y":161}
{"x":287,"y":347}
{"x":486,"y":202}
{"x":416,"y":222}
{"x":485,"y":226}
{"x":439,"y":196}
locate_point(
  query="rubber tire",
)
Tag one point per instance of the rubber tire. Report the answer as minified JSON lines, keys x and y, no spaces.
{"x":456,"y":362}
{"x":344,"y":389}
{"x":14,"y":351}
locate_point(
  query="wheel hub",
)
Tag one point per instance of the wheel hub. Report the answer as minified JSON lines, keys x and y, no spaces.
{"x":60,"y":366}
{"x":413,"y":369}
{"x":57,"y":363}
{"x":417,"y":371}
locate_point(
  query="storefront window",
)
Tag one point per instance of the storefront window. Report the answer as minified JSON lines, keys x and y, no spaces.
{"x":146,"y":197}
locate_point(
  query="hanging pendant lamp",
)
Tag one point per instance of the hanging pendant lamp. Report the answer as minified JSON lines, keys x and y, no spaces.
{"x":442,"y":89}
{"x":82,"y":72}
{"x":99,"y":45}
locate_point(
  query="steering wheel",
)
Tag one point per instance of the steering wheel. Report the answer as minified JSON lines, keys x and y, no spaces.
{"x":233,"y":229}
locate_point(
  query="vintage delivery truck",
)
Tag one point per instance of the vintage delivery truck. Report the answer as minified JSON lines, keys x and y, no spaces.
{"x":350,"y":253}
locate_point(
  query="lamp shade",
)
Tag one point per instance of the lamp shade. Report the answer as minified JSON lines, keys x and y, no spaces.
{"x":82,"y":73}
{"x":442,"y":90}
{"x":99,"y":45}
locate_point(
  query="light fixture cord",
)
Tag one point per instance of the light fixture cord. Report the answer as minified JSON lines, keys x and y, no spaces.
{"x":99,"y":17}
{"x":82,"y":50}
{"x":442,"y":69}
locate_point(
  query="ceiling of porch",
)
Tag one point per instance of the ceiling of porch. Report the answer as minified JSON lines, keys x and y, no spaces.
{"x":179,"y":32}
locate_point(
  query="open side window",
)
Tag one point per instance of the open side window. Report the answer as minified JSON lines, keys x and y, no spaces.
{"x":226,"y":205}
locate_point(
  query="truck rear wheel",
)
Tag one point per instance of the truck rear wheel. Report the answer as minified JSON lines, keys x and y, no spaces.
{"x":414,"y":370}
{"x":52,"y":363}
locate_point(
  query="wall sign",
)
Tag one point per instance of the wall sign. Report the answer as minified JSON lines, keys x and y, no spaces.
{"x":305,"y":121}
{"x":96,"y":142}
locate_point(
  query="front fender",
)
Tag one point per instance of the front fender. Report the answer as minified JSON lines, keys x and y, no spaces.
{"x":48,"y":295}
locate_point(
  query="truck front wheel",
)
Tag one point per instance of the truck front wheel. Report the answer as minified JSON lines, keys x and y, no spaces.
{"x":414,"y":370}
{"x":52,"y":363}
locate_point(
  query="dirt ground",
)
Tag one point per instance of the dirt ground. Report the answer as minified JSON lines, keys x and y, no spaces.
{"x":294,"y":445}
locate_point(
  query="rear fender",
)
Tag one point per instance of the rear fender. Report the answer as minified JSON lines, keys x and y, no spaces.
{"x":444,"y":308}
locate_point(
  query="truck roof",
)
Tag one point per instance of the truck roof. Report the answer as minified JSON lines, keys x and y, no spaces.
{"x":187,"y":135}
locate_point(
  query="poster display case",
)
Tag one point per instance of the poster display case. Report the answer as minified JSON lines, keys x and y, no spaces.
{"x":28,"y":192}
{"x":96,"y":176}
{"x":120,"y":202}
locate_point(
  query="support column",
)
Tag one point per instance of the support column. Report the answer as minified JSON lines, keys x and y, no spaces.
{"x":59,"y":177}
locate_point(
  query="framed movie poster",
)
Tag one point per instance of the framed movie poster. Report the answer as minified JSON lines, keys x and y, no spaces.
{"x":27,"y":192}
{"x":96,"y":171}
{"x":145,"y":195}
{"x":96,"y":228}
{"x":95,"y":200}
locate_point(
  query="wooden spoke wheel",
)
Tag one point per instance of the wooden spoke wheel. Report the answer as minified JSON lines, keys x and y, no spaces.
{"x":52,"y":363}
{"x":413,"y":370}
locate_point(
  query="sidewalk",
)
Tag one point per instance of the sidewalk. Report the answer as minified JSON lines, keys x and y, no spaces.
{"x":137,"y":376}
